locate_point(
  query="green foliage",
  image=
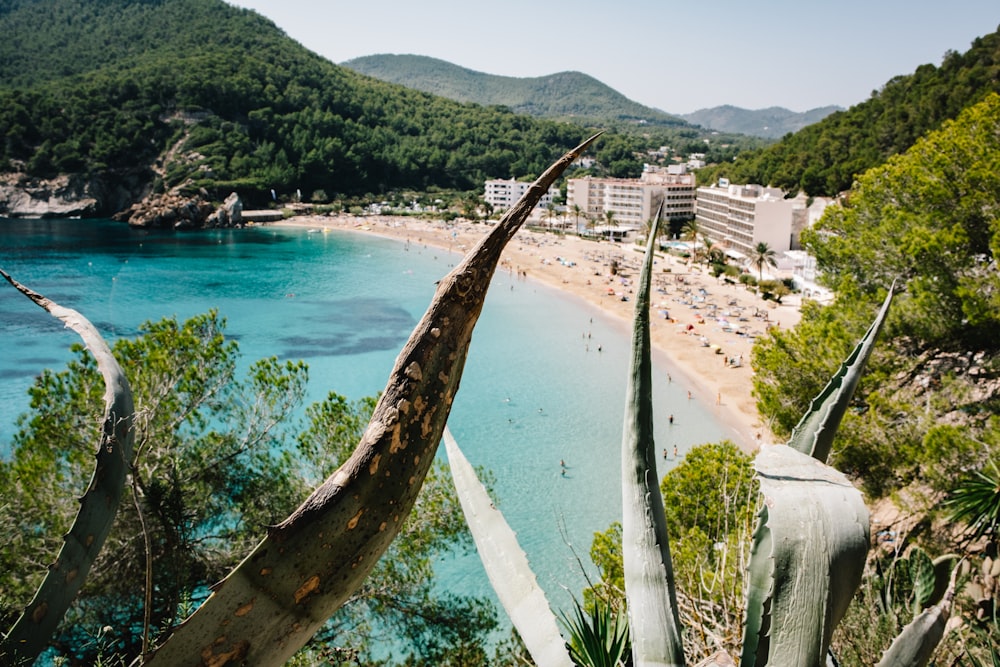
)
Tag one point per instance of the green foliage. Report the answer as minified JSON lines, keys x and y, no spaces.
{"x":709,"y":499}
{"x":599,"y":638}
{"x":216,"y":459}
{"x":930,"y":218}
{"x":712,"y":489}
{"x":825,"y":158}
{"x":976,"y":501}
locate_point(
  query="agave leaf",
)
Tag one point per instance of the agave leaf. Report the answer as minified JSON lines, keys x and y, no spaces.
{"x":760,"y":583}
{"x":807,"y":560}
{"x":98,"y":506}
{"x":506,"y":565}
{"x":917,"y":642}
{"x":649,"y":574}
{"x":308,"y":566}
{"x":813,"y":435}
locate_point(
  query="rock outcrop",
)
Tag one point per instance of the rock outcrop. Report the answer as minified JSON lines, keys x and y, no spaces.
{"x":125,"y":197}
{"x":70,"y":195}
{"x":175,"y":211}
{"x":230,"y":214}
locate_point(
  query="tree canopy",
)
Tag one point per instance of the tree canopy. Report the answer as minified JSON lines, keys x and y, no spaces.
{"x":927,"y":219}
{"x":218,"y":458}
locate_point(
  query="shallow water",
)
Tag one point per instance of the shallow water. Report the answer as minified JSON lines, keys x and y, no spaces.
{"x":535,"y":389}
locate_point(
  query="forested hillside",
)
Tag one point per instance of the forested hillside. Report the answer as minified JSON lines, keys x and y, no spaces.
{"x":825,"y":158}
{"x":572,"y":97}
{"x":563,"y":95}
{"x":95,"y":87}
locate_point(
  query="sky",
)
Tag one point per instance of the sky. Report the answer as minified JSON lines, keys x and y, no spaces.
{"x":677,"y":56}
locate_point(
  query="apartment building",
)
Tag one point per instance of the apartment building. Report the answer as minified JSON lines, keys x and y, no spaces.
{"x":502,"y":194}
{"x":634,"y":201}
{"x":740,"y":216}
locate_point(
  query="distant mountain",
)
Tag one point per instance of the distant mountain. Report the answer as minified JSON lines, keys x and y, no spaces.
{"x":769,"y":123}
{"x":569,"y":96}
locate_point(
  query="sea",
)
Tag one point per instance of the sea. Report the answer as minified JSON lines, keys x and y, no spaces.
{"x":544,"y":381}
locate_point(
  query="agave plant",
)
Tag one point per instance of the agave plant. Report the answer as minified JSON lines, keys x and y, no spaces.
{"x":809,"y":546}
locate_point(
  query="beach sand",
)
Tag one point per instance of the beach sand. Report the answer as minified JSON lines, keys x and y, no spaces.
{"x":696,"y":346}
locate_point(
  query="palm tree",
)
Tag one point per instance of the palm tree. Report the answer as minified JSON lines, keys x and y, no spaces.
{"x":690,"y":232}
{"x":763,"y":256}
{"x":550,"y":210}
{"x":577,"y":212}
{"x":609,"y":220}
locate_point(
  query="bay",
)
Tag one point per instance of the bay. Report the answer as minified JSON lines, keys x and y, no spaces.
{"x":535,"y":389}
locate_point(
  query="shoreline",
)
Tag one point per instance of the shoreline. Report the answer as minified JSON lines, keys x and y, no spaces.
{"x":696,"y":348}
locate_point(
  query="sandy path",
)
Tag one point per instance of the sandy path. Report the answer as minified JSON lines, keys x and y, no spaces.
{"x":695,"y":344}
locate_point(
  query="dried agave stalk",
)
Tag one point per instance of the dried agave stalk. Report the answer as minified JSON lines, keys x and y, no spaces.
{"x":307,"y":566}
{"x":98,"y":505}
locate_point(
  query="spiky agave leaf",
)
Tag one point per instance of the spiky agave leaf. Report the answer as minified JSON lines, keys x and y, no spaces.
{"x":275,"y":600}
{"x":811,"y":539}
{"x":649,"y":575}
{"x":98,"y":506}
{"x":915,"y":645}
{"x":506,"y":565}
{"x":807,"y":560}
{"x":814,"y":434}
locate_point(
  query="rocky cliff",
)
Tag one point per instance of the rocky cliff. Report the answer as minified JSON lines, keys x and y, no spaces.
{"x":68,"y":195}
{"x":127,"y":198}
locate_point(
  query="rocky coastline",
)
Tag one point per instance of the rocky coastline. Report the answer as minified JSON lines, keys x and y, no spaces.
{"x":126,"y":197}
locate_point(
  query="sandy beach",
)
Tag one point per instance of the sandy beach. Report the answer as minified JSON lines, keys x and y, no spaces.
{"x":702,"y":328}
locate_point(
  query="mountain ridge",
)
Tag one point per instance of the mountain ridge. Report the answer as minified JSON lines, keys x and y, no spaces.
{"x":570,"y":95}
{"x":769,"y":123}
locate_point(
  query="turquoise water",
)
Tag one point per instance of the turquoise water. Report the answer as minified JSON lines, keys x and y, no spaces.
{"x":535,"y":390}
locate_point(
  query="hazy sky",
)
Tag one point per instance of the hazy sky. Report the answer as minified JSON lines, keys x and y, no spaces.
{"x":678,"y":56}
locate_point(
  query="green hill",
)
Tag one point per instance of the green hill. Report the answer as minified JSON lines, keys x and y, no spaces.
{"x":569,"y":96}
{"x":825,"y":158}
{"x":205,"y":95}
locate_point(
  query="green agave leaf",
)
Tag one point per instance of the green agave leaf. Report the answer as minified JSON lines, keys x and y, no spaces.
{"x":309,"y":565}
{"x":916,"y":644}
{"x":760,"y":583}
{"x":31,"y":632}
{"x":808,"y":558}
{"x":814,"y":434}
{"x":649,"y":576}
{"x":506,"y":564}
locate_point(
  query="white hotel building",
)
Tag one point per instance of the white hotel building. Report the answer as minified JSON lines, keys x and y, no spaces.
{"x":502,"y":194}
{"x":740,"y":216}
{"x":632,"y":201}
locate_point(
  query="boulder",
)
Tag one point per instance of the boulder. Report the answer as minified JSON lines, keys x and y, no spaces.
{"x":230,"y":214}
{"x":169,"y":211}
